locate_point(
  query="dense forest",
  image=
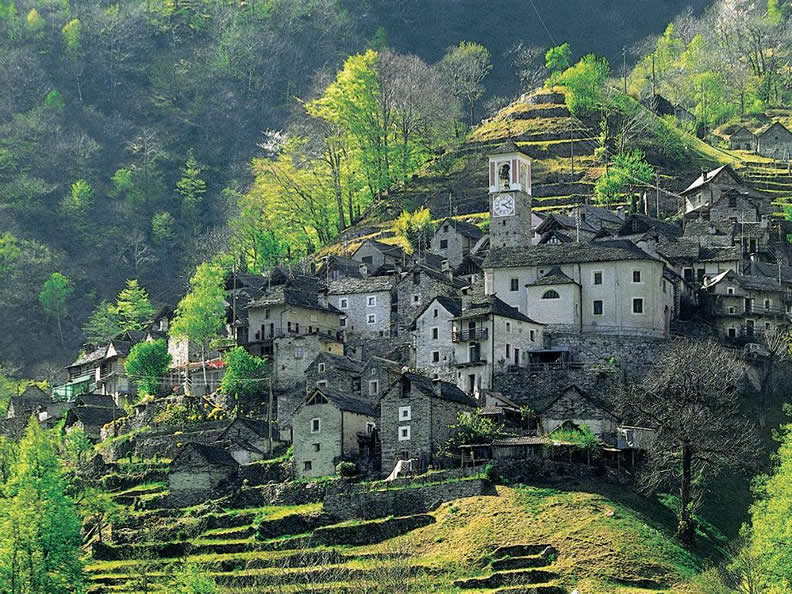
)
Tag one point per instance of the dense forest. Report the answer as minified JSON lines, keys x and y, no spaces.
{"x":127,"y":131}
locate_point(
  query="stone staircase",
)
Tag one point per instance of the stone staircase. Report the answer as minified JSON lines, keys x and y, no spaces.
{"x":518,"y":569}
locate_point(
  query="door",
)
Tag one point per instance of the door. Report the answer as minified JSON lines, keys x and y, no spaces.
{"x":471,"y":383}
{"x":517,"y":357}
{"x":749,"y":327}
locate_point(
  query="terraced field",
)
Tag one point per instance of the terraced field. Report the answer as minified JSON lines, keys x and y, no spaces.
{"x":523,"y":539}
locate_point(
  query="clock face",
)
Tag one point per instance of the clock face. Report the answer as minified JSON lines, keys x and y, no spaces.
{"x":503,"y":205}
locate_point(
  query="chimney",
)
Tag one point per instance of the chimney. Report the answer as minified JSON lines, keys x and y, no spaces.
{"x":363,"y":270}
{"x":703,"y":174}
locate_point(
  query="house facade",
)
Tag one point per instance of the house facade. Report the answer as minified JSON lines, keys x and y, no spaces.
{"x":454,"y":240}
{"x":573,"y":407}
{"x":377,"y":376}
{"x":365,"y":305}
{"x":334,"y":371}
{"x":376,"y":254}
{"x":418,"y":287}
{"x":720,"y":194}
{"x":433,"y":349}
{"x":774,"y":141}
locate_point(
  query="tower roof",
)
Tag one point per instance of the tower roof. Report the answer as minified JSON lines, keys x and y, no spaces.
{"x":508,"y":147}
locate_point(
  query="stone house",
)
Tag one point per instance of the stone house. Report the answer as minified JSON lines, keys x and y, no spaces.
{"x":637,"y":226}
{"x":610,"y":287}
{"x":558,"y":228}
{"x":432,"y":352}
{"x":454,"y":239}
{"x":247,"y":440}
{"x":418,"y":287}
{"x":112,"y":379}
{"x":376,"y":255}
{"x":81,"y":374}
{"x":488,"y":336}
{"x":416,"y":418}
{"x":743,"y":307}
{"x":292,"y":355}
{"x":336,"y":267}
{"x":365,"y":305}
{"x":200,"y":472}
{"x":326,"y":427}
{"x":598,"y":217}
{"x":720,"y":194}
{"x":573,"y":407}
{"x":774,"y":141}
{"x":31,"y":401}
{"x":694,"y":262}
{"x":742,"y":139}
{"x":377,"y":376}
{"x":338,"y":372}
{"x":91,"y":419}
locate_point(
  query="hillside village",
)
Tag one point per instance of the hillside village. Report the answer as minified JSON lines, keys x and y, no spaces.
{"x":374,"y":353}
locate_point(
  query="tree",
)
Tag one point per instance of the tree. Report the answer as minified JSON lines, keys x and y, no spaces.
{"x":189,"y":578}
{"x":133,"y":307}
{"x":39,"y":526}
{"x":244,"y":373}
{"x":584,"y":82}
{"x":628,"y":170}
{"x":53,"y":298}
{"x":528,"y":66}
{"x":464,"y":68}
{"x":415,"y":228}
{"x":200,"y":314}
{"x":191,"y":187}
{"x":557,"y":58}
{"x":690,"y":398}
{"x":147,"y":363}
{"x":103,"y":325}
{"x":473,"y":428}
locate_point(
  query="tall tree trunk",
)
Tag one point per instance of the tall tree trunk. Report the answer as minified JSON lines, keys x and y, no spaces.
{"x":685,"y":529}
{"x":203,"y":368}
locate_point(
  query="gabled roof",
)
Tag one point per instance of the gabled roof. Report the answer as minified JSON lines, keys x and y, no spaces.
{"x":645,"y":223}
{"x":388,"y":364}
{"x":762,"y":131}
{"x":438,"y":389}
{"x":347,"y":265}
{"x":452,"y":305}
{"x":555,"y":234}
{"x":560,"y":221}
{"x":436,"y":275}
{"x":598,"y":402}
{"x":212,"y":455}
{"x":99,"y":400}
{"x":287,"y":296}
{"x":393,"y":251}
{"x":555,"y":276}
{"x":506,"y":148}
{"x":742,"y":131}
{"x":94,"y":356}
{"x":719,"y":254}
{"x":340,"y":362}
{"x":568,"y":253}
{"x":603,"y":216}
{"x":749,"y":282}
{"x":259,"y":428}
{"x":682,"y":250}
{"x":706,"y":177}
{"x":343,"y":401}
{"x":463,"y":228}
{"x":93,"y":416}
{"x":495,"y":306}
{"x":35,"y":394}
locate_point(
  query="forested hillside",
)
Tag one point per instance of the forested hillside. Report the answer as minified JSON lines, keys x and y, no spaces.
{"x":127,"y":130}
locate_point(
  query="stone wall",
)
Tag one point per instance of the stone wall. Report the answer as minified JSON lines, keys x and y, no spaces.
{"x":166,"y":444}
{"x":401,"y":502}
{"x":425,"y":288}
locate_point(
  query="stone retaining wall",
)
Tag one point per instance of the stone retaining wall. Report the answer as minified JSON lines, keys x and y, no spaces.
{"x":401,"y":502}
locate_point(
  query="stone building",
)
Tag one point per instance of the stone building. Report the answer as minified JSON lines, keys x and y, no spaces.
{"x":432,"y":352}
{"x":112,"y":379}
{"x":377,"y":376}
{"x":200,"y":472}
{"x":418,"y":287}
{"x":510,"y":197}
{"x":573,"y":407}
{"x":416,"y":418}
{"x":365,"y":305}
{"x":558,"y":228}
{"x":489,"y":335}
{"x":774,"y":141}
{"x":326,"y":427}
{"x":32,"y":400}
{"x":604,"y":286}
{"x":742,"y":139}
{"x":454,"y":240}
{"x":247,"y":440}
{"x":91,"y":419}
{"x":376,"y":255}
{"x":338,"y":372}
{"x":694,"y":261}
{"x":743,"y":307}
{"x":291,"y":356}
{"x":720,"y":194}
{"x":335,"y":267}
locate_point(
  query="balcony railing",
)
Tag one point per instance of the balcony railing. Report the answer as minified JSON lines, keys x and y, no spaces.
{"x":758,"y":310}
{"x":471,"y":363}
{"x":294,"y":331}
{"x":468,"y":335}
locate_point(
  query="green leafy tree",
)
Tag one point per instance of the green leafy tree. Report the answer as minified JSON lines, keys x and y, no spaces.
{"x":465,"y":67}
{"x":103,"y":325}
{"x":629,"y":170}
{"x":557,"y":58}
{"x":10,"y":253}
{"x":473,"y":428}
{"x":245,"y":374}
{"x":200,"y":314}
{"x":54,"y":296}
{"x":39,"y":526}
{"x":189,"y":578}
{"x":123,"y":183}
{"x":191,"y":187}
{"x":133,"y":307}
{"x":54,"y":100}
{"x":80,"y":199}
{"x":584,"y":83}
{"x":415,"y":228}
{"x":162,"y":227}
{"x":147,"y":363}
{"x":75,"y":448}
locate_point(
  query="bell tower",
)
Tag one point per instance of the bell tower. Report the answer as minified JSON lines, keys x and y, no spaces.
{"x":510,"y":197}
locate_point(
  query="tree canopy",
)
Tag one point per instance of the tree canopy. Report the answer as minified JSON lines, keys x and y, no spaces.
{"x":147,"y":363}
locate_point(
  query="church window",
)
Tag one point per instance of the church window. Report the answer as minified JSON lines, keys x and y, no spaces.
{"x":551,"y":294}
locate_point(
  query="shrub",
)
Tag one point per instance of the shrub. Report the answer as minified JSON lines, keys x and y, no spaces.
{"x":346,"y":469}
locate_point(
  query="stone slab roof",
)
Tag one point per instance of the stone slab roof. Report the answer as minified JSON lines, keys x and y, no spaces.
{"x":495,"y":306}
{"x":439,"y":389}
{"x":348,"y":402}
{"x":464,"y":228}
{"x":555,"y":276}
{"x":351,"y":286}
{"x":213,"y":456}
{"x":570,"y":253}
{"x":340,"y":362}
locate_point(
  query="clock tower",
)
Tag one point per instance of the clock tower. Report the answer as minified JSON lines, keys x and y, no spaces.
{"x":510,"y":197}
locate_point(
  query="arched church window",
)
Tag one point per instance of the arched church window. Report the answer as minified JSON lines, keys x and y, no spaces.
{"x":551,"y":294}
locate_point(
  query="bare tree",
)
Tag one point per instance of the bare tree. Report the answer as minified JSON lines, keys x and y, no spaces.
{"x":690,"y":397}
{"x":528,"y":63}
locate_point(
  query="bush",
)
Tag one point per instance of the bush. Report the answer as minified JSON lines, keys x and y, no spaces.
{"x":491,"y":473}
{"x":346,"y":469}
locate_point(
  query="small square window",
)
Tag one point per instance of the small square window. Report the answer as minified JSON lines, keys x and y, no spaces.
{"x":317,"y":447}
{"x":343,"y":303}
{"x":508,"y":351}
{"x":405,"y":413}
{"x":435,"y":356}
{"x":598,"y":278}
{"x":298,"y":352}
{"x":435,"y":313}
{"x":532,"y":334}
{"x":638,"y":305}
{"x":732,"y":332}
{"x":730,"y":290}
{"x":445,"y":228}
{"x":372,"y":300}
{"x":316,"y":425}
{"x":416,"y":298}
{"x":370,"y":428}
{"x":515,"y":284}
{"x":342,"y":322}
{"x":443,"y":244}
{"x":373,"y":387}
{"x":636,"y":276}
{"x":404,"y":433}
{"x":597,"y":309}
{"x":372,"y":319}
{"x":435,"y":333}
{"x":373,"y":371}
{"x":321,"y":367}
{"x":508,"y":326}
{"x":307,"y":465}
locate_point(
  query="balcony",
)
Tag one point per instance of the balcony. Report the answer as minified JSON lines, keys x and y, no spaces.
{"x":468,"y":335}
{"x":471,"y":363}
{"x":758,"y":310}
{"x":294,"y":331}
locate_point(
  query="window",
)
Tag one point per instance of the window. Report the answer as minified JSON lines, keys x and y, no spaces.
{"x":404,"y":433}
{"x":368,"y":259}
{"x":551,"y":294}
{"x":731,"y":310}
{"x":373,"y":387}
{"x":372,"y":319}
{"x":298,"y":352}
{"x":342,"y":322}
{"x":687,"y":273}
{"x":508,"y":326}
{"x":767,"y":303}
{"x":443,"y":244}
{"x":532,"y":334}
{"x":266,"y":314}
{"x":321,"y":383}
{"x":321,"y":367}
{"x":508,"y":351}
{"x":730,"y":290}
{"x":515,"y":284}
{"x":371,"y":301}
{"x":445,"y":228}
{"x":732,"y":332}
{"x":435,"y":333}
{"x":597,"y":307}
{"x":405,"y":413}
{"x":435,"y":356}
{"x":417,"y":277}
{"x":343,"y":303}
{"x":638,"y":305}
{"x":598,"y":277}
{"x":435,"y":313}
{"x":416,"y":298}
{"x":373,"y":371}
{"x":316,"y":425}
{"x":317,"y":447}
{"x":636,"y":276}
{"x":370,"y":428}
{"x":635,"y":226}
{"x":732,"y":201}
{"x":700,"y":274}
{"x":307,"y":465}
